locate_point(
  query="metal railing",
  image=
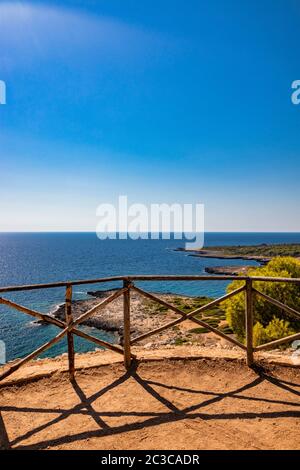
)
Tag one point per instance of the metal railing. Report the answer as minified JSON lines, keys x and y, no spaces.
{"x":69,"y":327}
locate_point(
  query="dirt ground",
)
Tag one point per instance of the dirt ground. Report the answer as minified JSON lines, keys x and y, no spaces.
{"x":169,"y":404}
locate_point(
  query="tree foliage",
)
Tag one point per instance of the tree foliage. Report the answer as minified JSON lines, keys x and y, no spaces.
{"x":270,"y":322}
{"x":275,"y":329}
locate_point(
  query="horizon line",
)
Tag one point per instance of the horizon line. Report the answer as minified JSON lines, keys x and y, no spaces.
{"x":118,"y":233}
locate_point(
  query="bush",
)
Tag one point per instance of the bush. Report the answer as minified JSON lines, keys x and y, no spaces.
{"x":259,"y":334}
{"x":267,"y":315}
{"x":276,"y":329}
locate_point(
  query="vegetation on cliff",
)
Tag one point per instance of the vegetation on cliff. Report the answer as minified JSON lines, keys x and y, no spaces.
{"x":270,"y":322}
{"x":263,"y":250}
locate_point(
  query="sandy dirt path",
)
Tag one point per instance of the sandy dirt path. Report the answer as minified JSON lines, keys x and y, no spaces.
{"x":169,"y":404}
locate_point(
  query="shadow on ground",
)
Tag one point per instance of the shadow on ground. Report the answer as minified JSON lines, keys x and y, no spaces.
{"x":261,"y":400}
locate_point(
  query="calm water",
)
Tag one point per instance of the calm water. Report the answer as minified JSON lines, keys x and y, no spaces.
{"x":44,"y":257}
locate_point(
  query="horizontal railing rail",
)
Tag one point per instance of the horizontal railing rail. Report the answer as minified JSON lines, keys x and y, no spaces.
{"x":69,"y":327}
{"x":147,"y":277}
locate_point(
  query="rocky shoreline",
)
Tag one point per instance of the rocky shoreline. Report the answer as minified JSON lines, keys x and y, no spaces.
{"x":144,"y":315}
{"x":102,"y":321}
{"x":147,"y":315}
{"x":227,"y":270}
{"x":220,"y":255}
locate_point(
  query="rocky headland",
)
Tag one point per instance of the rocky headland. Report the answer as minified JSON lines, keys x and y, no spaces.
{"x":147,"y":315}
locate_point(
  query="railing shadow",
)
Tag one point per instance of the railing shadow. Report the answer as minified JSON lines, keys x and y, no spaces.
{"x":152,"y":418}
{"x":4,"y":441}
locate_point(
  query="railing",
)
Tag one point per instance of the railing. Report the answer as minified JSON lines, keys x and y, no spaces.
{"x":69,"y":326}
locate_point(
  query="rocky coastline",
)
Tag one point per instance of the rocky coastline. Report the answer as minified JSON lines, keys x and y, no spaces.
{"x":227,"y":270}
{"x":147,"y":315}
{"x":221,"y":255}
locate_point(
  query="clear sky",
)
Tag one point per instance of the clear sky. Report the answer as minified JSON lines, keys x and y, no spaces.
{"x":161,"y":100}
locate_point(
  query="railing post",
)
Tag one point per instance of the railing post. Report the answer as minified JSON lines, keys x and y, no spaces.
{"x":69,"y":320}
{"x":249,"y":322}
{"x":126,"y":333}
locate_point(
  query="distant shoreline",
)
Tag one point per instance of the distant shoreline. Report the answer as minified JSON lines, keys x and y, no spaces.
{"x":262,"y":253}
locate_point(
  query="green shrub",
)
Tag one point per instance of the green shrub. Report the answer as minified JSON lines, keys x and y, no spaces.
{"x":264,"y":312}
{"x":259,"y":334}
{"x":179,"y":341}
{"x":199,"y":330}
{"x":276,"y":329}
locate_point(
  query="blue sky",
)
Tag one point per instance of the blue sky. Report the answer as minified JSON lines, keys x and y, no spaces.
{"x":164,"y":101}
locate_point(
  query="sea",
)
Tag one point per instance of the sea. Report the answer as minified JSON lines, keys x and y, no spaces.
{"x":33,"y":258}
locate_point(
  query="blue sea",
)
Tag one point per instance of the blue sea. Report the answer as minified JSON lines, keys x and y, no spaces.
{"x":30,"y":258}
